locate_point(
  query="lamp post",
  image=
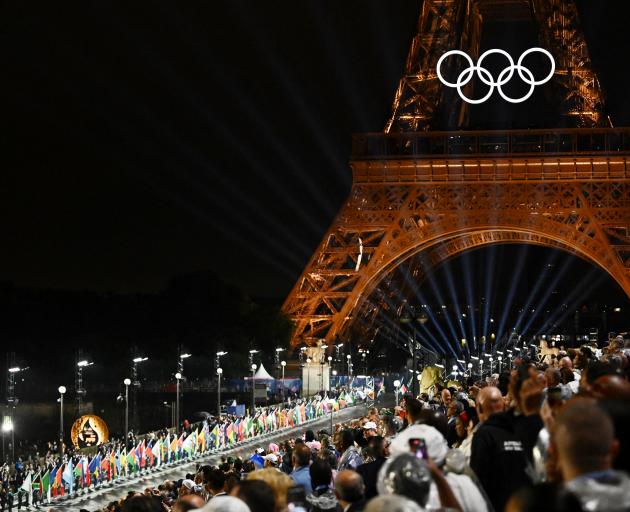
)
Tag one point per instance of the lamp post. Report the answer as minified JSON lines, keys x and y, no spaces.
{"x":217,"y":361}
{"x":126,"y":382}
{"x":136,"y":384}
{"x":283,"y":364}
{"x":80,"y":390}
{"x":12,"y":402}
{"x":500,"y":358}
{"x":253,"y":388}
{"x":308,"y":376}
{"x":219,"y":372}
{"x":329,"y":373}
{"x":62,"y":390}
{"x":349,"y":359}
{"x":396,"y":387}
{"x":178,"y":377}
{"x":470,"y":365}
{"x":277,"y":359}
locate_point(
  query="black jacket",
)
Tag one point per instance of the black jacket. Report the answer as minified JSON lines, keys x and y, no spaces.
{"x":499,"y":458}
{"x":369,"y":472}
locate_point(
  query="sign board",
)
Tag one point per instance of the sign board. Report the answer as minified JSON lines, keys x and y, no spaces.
{"x":89,"y":430}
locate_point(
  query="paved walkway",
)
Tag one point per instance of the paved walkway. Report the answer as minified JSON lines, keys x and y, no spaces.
{"x":99,"y":498}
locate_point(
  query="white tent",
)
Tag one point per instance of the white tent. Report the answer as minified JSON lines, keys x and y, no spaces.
{"x":262,"y":374}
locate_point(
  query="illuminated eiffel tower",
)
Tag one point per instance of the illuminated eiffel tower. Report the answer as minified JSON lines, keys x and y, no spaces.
{"x":427,"y":188}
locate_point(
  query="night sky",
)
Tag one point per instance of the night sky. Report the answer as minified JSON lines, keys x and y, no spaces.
{"x":142,"y":141}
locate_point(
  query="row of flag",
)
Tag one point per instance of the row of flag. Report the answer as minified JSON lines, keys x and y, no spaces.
{"x":68,"y":477}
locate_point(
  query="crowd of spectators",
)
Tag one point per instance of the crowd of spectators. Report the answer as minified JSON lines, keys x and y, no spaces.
{"x":539,"y":436}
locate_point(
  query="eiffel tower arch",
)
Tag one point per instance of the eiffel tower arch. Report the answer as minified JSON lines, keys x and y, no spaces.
{"x":428,"y":186}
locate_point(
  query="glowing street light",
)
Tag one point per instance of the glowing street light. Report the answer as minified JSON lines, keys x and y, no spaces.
{"x":219,"y":373}
{"x":62,"y":391}
{"x":283,"y":365}
{"x":397,"y":387}
{"x":126,"y":382}
{"x":178,"y":377}
{"x":253,"y":386}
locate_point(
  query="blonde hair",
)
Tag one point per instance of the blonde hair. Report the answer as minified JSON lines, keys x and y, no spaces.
{"x":279,"y":483}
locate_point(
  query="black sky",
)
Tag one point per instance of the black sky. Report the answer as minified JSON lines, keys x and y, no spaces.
{"x":146,"y":140}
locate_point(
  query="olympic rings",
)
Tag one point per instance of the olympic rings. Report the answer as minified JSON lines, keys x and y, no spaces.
{"x":504,"y":77}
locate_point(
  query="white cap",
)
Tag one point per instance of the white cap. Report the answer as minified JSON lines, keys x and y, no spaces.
{"x":370,"y":425}
{"x":272,"y":457}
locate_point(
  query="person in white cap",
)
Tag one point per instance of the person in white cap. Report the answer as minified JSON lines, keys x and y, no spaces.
{"x":271,"y":460}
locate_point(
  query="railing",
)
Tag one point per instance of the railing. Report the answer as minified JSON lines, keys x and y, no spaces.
{"x":595,"y":141}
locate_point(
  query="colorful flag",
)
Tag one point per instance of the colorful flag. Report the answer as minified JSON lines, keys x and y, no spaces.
{"x":155,"y":454}
{"x":27,"y":487}
{"x":68,"y":477}
{"x":45,"y":486}
{"x":94,"y":467}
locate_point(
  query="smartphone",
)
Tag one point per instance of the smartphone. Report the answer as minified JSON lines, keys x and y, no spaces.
{"x":296,"y":499}
{"x":418,"y":447}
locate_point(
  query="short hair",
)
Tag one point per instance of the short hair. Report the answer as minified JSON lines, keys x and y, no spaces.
{"x":566,"y":375}
{"x":585,"y":434}
{"x":141,"y":503}
{"x":346,"y":436}
{"x":376,"y":447}
{"x":309,"y":436}
{"x":257,"y":495}
{"x":349,"y":486}
{"x":321,"y":473}
{"x":302,"y":455}
{"x":216,"y":478}
{"x":414,"y":408}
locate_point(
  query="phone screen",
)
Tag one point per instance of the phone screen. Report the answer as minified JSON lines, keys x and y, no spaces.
{"x":418,"y":447}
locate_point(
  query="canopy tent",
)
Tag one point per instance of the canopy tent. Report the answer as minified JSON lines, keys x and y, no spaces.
{"x":262,"y":374}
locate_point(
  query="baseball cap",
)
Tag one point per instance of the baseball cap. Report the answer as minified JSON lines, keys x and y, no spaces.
{"x":189,"y":484}
{"x":370,"y":425}
{"x":271,"y":457}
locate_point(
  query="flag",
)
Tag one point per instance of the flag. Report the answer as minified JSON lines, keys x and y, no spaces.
{"x":55,"y":480}
{"x":132,"y":460}
{"x":27,"y":487}
{"x":156,"y":452}
{"x":188,"y":445}
{"x":68,"y":477}
{"x":106,"y":468}
{"x":172,"y":453}
{"x":45,"y":486}
{"x":94,"y":467}
{"x":381,"y":390}
{"x":140,"y":454}
{"x":201,"y":439}
{"x":121,"y":462}
{"x":403,"y":389}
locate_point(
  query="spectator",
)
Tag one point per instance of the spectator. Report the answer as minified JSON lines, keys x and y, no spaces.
{"x":378,"y":449}
{"x":350,"y":456}
{"x":586,"y":447}
{"x":300,"y":474}
{"x":279,"y":483}
{"x":323,"y":497}
{"x":545,"y":496}
{"x":350,"y":491}
{"x":215,"y":484}
{"x":189,"y":502}
{"x":257,"y":495}
{"x":392,"y":503}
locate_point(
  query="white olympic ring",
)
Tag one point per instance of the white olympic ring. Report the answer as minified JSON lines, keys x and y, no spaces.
{"x":486,"y":77}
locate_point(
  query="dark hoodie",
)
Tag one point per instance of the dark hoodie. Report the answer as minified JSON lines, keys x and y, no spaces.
{"x":499,"y":458}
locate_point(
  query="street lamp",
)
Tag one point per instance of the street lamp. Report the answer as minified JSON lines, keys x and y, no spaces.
{"x":217,"y":361}
{"x":500,"y":358}
{"x":253,"y":386}
{"x":397,"y":387}
{"x":178,"y":377}
{"x":277,"y":359}
{"x":219,"y":372}
{"x":136,"y":384}
{"x":79,"y":383}
{"x":283,"y":364}
{"x":349,"y":358}
{"x":126,"y":382}
{"x":62,"y":390}
{"x":308,"y":376}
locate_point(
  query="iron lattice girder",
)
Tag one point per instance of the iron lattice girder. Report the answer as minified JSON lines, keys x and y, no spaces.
{"x":446,"y":25}
{"x":397,"y":213}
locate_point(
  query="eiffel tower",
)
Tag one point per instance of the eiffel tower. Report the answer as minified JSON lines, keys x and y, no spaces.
{"x":429,"y":188}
